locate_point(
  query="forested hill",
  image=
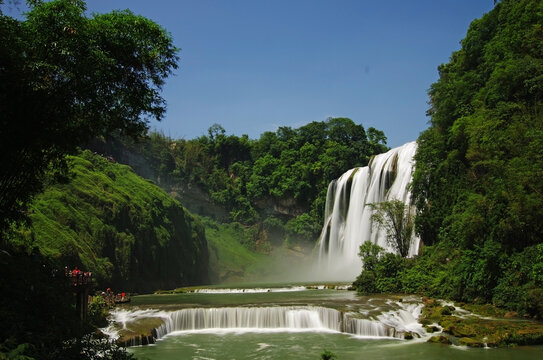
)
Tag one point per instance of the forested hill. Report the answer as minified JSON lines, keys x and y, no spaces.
{"x":104,"y":218}
{"x":277,"y":182}
{"x":478,"y":183}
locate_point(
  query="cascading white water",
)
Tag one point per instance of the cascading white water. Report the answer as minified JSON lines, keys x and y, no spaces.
{"x":368,"y":328}
{"x":255,"y":318}
{"x":287,"y":318}
{"x":347,"y":221}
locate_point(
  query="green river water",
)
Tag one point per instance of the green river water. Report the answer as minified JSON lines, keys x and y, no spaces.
{"x":287,"y":342}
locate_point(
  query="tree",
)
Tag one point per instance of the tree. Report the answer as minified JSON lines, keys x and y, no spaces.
{"x":381,"y":271}
{"x":215,"y":131}
{"x":366,"y":282}
{"x":377,"y":140}
{"x":65,"y":78}
{"x":396,"y":218}
{"x":370,"y":254}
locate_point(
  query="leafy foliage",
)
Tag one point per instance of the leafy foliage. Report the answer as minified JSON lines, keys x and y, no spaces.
{"x":66,"y":78}
{"x":27,"y":279}
{"x":232,"y":255}
{"x":479,"y":163}
{"x":98,"y":312}
{"x":477,"y":184}
{"x":380,"y":270}
{"x":40,"y":319}
{"x":397,"y":219}
{"x":328,"y":355}
{"x":89,"y":347}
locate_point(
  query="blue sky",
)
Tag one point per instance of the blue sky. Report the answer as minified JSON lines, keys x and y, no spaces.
{"x":252,"y":66}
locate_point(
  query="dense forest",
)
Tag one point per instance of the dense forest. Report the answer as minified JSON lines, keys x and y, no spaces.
{"x":478,"y":181}
{"x":277,"y":183}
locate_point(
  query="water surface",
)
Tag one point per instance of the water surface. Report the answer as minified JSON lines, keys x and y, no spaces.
{"x":296,"y":342}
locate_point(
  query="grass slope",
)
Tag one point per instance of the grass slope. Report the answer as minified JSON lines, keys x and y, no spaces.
{"x":229,"y":259}
{"x":127,"y":231}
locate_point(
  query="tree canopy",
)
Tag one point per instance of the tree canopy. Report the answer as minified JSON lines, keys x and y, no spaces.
{"x":66,"y":77}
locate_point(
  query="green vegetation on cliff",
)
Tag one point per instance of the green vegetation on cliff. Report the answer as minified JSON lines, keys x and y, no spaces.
{"x":478,"y":184}
{"x":131,"y":234}
{"x":65,"y":78}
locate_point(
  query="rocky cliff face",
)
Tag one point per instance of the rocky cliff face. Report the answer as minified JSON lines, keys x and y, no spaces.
{"x":196,"y":200}
{"x":286,"y":207}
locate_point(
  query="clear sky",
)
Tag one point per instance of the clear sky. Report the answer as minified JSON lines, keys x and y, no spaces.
{"x":255,"y":65}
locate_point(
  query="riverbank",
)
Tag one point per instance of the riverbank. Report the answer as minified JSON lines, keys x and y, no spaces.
{"x":476,"y":325}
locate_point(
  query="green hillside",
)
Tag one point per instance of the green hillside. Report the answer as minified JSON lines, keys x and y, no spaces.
{"x":104,"y":218}
{"x":478,"y":184}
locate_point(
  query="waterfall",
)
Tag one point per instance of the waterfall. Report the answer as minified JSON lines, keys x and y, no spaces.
{"x":287,"y":318}
{"x":347,"y":222}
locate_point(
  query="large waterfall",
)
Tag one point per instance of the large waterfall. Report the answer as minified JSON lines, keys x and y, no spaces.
{"x":347,"y":221}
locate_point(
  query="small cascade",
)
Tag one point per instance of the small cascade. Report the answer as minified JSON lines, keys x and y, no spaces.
{"x":259,"y":290}
{"x":368,"y":328}
{"x":347,"y":221}
{"x":287,"y":318}
{"x":252,"y":318}
{"x":248,"y":290}
{"x":404,"y":320}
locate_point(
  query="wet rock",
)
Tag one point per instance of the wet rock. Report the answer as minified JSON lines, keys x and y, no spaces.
{"x":470,"y":342}
{"x":447,"y":310}
{"x":441,"y":339}
{"x":431,"y":329}
{"x":510,"y":315}
{"x":463,"y":331}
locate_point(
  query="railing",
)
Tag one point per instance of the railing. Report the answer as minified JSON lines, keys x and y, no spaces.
{"x":82,"y":284}
{"x":78,"y":277}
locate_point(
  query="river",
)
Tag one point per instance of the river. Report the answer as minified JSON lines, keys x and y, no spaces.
{"x":289,"y":322}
